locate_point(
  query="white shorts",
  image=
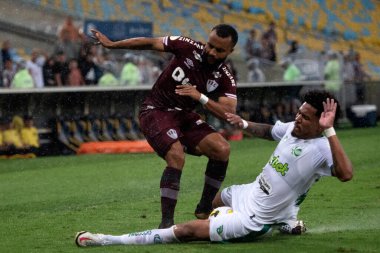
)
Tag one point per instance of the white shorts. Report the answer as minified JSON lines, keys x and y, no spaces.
{"x":237,"y":226}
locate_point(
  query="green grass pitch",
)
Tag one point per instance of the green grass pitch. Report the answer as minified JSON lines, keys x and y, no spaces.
{"x":45,"y":201}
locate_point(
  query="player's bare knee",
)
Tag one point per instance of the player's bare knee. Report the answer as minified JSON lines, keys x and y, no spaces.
{"x":223,"y":151}
{"x":175,"y":158}
{"x":184,"y":232}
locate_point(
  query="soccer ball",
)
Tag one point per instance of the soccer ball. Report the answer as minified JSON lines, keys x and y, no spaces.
{"x":220,"y":211}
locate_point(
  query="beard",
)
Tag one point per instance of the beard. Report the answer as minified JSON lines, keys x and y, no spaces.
{"x":206,"y":58}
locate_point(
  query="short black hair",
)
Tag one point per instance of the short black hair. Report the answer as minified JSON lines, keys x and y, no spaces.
{"x":225,"y":30}
{"x":315,"y":98}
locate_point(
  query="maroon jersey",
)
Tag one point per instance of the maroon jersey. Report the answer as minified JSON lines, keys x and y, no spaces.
{"x":188,"y":67}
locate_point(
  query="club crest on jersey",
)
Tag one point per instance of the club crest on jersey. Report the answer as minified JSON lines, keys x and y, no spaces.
{"x":189,"y":63}
{"x":172,"y":134}
{"x":216,"y":74}
{"x":197,"y":56}
{"x":211,"y":85}
{"x":296,"y":151}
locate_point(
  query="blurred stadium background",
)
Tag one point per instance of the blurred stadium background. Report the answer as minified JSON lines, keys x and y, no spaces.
{"x":63,"y":115}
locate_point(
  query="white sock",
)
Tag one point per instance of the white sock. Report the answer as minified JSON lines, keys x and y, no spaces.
{"x":154,"y":236}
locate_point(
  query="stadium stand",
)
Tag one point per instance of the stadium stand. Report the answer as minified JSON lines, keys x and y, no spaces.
{"x":318,"y":26}
{"x":340,"y":23}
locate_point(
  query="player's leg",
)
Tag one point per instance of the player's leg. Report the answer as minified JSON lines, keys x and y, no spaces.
{"x":191,"y":231}
{"x":293,"y":226}
{"x":217,"y":149}
{"x":196,"y":230}
{"x":161,"y":130}
{"x":236,"y":227}
{"x":170,"y":183}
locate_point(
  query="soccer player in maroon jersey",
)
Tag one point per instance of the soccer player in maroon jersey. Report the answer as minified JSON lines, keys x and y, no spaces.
{"x":167,"y":118}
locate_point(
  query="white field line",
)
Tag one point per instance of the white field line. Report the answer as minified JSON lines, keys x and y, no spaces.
{"x":343,"y":227}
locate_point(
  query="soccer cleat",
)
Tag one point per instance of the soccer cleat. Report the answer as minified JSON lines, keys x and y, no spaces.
{"x":298,"y":228}
{"x":84,"y":239}
{"x":202,"y":213}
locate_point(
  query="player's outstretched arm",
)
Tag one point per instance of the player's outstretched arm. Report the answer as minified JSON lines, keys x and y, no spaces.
{"x":217,"y":108}
{"x":140,"y":43}
{"x":342,"y":164}
{"x":257,"y":129}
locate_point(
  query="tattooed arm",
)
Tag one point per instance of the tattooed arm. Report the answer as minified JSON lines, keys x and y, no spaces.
{"x":256,"y":129}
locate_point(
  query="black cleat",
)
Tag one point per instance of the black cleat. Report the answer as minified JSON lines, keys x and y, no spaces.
{"x":202,"y":213}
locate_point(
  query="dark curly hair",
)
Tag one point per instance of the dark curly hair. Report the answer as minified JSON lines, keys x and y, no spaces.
{"x":224,"y":31}
{"x":315,"y":98}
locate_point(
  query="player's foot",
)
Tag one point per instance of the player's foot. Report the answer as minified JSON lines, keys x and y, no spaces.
{"x":202,"y":213}
{"x":297,"y":228}
{"x":84,"y":239}
{"x":166,"y":223}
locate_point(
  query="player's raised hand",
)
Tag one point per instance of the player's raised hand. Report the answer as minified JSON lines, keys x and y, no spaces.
{"x":328,"y":114}
{"x":101,"y":38}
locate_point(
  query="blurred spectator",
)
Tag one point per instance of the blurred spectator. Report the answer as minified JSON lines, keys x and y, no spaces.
{"x":348,"y":79}
{"x":11,"y":137}
{"x":110,"y":62}
{"x":108,"y":78}
{"x":69,"y":47}
{"x":22,"y":78}
{"x":130,"y":73}
{"x":255,"y":74}
{"x":267,"y":52}
{"x":252,"y":46}
{"x":1,"y":71}
{"x":48,"y":72}
{"x":2,"y":63}
{"x":60,"y":69}
{"x":291,"y":75}
{"x":34,"y":66}
{"x":8,"y":73}
{"x":348,"y":68}
{"x":69,"y":31}
{"x":89,"y":64}
{"x":360,"y":76}
{"x":75,"y":77}
{"x":147,"y":69}
{"x":265,"y":115}
{"x":7,"y":52}
{"x":290,"y":109}
{"x":291,"y":71}
{"x":332,"y":75}
{"x":279,"y":112}
{"x":29,"y":133}
{"x":269,"y":41}
{"x":17,"y":123}
{"x":294,"y":47}
{"x":3,"y":147}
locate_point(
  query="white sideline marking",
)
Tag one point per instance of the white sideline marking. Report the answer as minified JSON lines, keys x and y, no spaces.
{"x":342,"y":227}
